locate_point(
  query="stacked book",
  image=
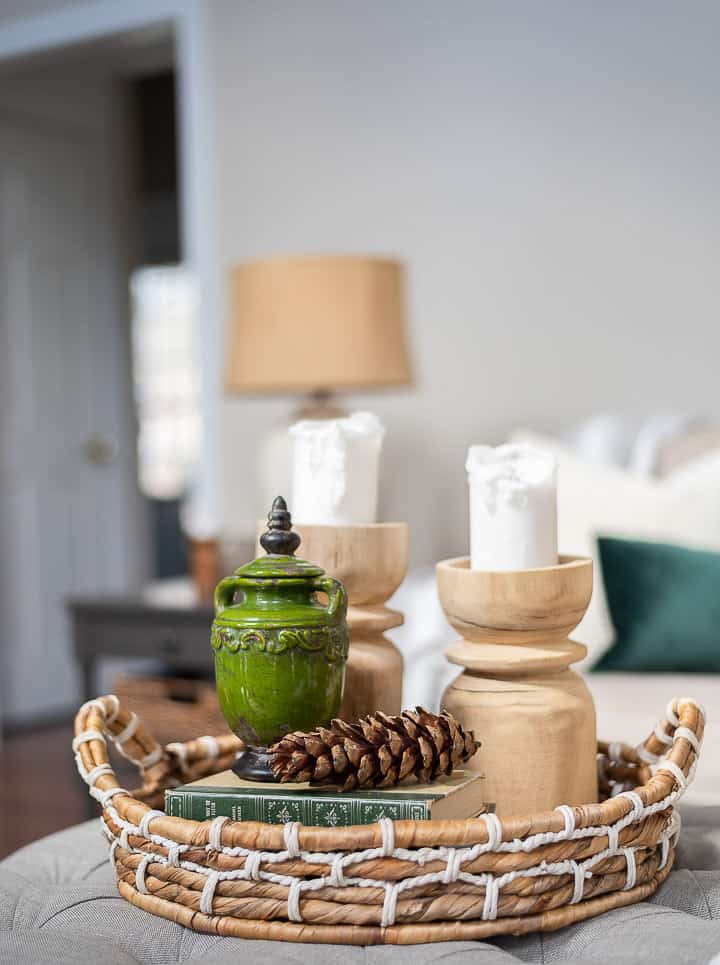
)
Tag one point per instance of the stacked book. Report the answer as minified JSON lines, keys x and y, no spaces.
{"x":225,"y":794}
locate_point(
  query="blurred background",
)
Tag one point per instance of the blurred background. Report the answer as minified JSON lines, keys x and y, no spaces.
{"x":545,"y":172}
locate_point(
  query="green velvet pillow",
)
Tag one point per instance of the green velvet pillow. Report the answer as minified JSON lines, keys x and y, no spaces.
{"x":665,"y":604}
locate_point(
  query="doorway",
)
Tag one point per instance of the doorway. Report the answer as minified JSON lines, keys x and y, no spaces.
{"x":83,"y":207}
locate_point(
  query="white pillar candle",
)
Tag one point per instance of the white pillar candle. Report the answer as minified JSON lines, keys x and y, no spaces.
{"x":335,"y":470}
{"x":513,"y":507}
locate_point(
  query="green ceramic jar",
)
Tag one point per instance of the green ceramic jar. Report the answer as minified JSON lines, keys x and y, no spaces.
{"x":280,"y":653}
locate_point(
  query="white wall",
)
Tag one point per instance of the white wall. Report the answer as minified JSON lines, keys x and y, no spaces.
{"x":548,"y":170}
{"x":18,"y":9}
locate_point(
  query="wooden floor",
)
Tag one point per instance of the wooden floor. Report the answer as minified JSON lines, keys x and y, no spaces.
{"x":40,"y":789}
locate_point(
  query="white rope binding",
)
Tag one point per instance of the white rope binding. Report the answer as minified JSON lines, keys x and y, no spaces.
{"x":152,"y":758}
{"x":700,"y":708}
{"x":140,"y":875}
{"x":674,"y":769}
{"x":208,"y":893}
{"x":86,"y":735}
{"x":579,"y":887}
{"x":104,"y":797}
{"x":686,"y":734}
{"x":112,"y":716}
{"x":93,"y":703}
{"x":662,"y":736}
{"x":631,"y":869}
{"x":215,"y":835}
{"x":174,"y":854}
{"x":252,"y":865}
{"x":495,"y":831}
{"x":291,"y":838}
{"x":613,"y":833}
{"x":645,"y":755}
{"x":452,"y":869}
{"x":387,"y":829}
{"x":179,"y":751}
{"x":145,"y":822}
{"x":637,"y":806}
{"x":489,"y":912}
{"x":212,"y":748}
{"x":293,"y":900}
{"x":337,"y":878}
{"x":389,"y":902}
{"x":92,"y":776}
{"x":569,"y":815}
{"x":128,"y":731}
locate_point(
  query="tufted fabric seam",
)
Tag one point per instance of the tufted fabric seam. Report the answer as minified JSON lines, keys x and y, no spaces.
{"x":75,"y":904}
{"x":91,"y":871}
{"x":17,"y":900}
{"x":702,"y":891}
{"x":17,"y":932}
{"x":642,"y":910}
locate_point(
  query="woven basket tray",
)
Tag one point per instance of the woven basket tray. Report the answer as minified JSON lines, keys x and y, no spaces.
{"x":400,"y":882}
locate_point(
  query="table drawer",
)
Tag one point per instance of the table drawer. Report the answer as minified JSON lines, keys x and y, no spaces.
{"x":174,"y":642}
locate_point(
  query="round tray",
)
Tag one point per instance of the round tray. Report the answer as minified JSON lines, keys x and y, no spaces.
{"x":401,"y":882}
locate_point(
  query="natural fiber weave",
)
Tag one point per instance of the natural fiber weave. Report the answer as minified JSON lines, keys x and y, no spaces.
{"x":400,"y":882}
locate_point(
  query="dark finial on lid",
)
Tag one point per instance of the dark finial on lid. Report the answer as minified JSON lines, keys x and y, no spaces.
{"x":279,"y":538}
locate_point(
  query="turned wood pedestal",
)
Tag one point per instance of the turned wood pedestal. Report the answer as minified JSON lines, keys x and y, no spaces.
{"x":534,"y":716}
{"x":371,"y":561}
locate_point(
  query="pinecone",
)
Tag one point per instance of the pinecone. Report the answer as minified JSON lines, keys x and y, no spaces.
{"x":376,"y":751}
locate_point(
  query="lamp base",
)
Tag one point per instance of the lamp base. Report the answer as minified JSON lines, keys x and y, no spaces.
{"x":320,"y":404}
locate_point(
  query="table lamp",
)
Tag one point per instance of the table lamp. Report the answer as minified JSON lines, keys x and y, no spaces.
{"x":313,"y":325}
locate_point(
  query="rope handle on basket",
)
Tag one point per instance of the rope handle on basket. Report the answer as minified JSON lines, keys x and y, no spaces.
{"x":160,"y":767}
{"x":661,"y":749}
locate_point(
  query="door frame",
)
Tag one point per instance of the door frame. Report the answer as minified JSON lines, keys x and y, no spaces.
{"x":190,"y":22}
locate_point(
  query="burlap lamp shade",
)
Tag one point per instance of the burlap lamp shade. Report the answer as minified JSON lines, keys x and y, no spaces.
{"x":317,"y":323}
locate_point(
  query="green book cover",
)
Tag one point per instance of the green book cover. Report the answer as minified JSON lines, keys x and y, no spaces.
{"x":225,"y":794}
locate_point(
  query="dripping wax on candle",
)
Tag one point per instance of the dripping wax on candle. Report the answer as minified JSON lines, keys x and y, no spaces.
{"x":513,"y":507}
{"x":335,"y":470}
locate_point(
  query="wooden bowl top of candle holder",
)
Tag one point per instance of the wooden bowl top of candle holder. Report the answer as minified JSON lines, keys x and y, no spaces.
{"x":529,"y":613}
{"x":369,"y":559}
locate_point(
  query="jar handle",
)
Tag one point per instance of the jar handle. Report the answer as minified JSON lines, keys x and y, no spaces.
{"x":224,"y":592}
{"x":336,"y":592}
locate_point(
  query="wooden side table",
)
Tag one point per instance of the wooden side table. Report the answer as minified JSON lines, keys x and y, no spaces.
{"x":165,"y":623}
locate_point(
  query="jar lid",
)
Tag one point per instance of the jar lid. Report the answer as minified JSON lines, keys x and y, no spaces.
{"x":279,"y":542}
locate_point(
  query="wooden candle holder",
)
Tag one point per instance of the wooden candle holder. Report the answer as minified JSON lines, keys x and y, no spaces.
{"x":534,"y":716}
{"x":371,"y":560}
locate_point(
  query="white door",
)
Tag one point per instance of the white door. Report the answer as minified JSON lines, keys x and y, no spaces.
{"x":69,"y":506}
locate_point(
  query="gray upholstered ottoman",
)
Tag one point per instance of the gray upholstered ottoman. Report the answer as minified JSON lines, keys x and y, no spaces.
{"x":58,"y":904}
